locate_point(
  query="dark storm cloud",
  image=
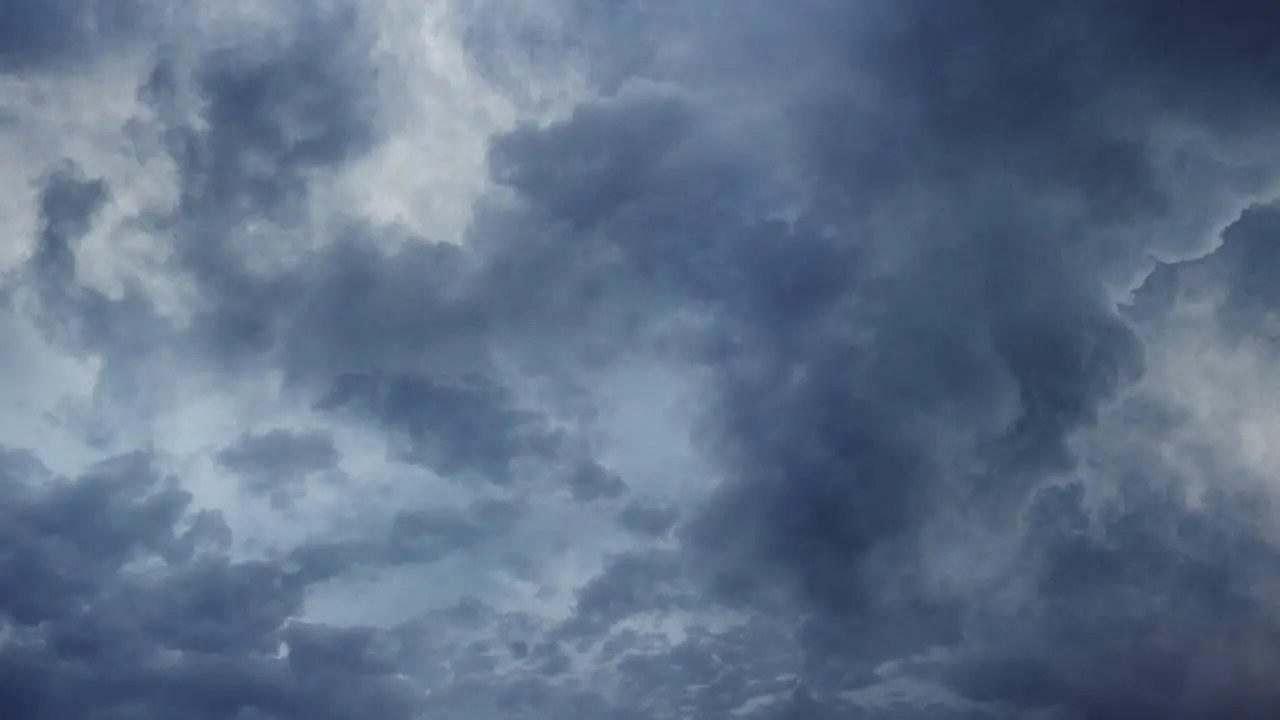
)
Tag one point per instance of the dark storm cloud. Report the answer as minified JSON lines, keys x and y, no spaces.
{"x":72,"y":314}
{"x":343,"y":325}
{"x":919,"y":346}
{"x":1003,"y":317}
{"x":1154,"y":610}
{"x":280,"y":451}
{"x":637,"y":672}
{"x":41,"y":35}
{"x":277,"y":462}
{"x":269,"y":116}
{"x":1240,"y":271}
{"x":1236,"y":278}
{"x":1251,"y":248}
{"x":118,"y":600}
{"x":907,"y":320}
{"x":271,"y":119}
{"x":117,"y":603}
{"x":66,"y":538}
{"x":68,"y":203}
{"x":629,"y":585}
{"x":592,"y":481}
{"x":464,"y":427}
{"x":385,"y":336}
{"x":426,"y":535}
{"x":648,"y":518}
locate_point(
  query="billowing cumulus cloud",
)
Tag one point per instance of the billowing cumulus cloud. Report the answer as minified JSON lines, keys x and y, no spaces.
{"x":542,"y":359}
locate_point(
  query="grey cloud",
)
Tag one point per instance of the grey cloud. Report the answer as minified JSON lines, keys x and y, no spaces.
{"x":1152,"y":611}
{"x":66,"y":538}
{"x":906,"y":273}
{"x":1237,"y":270}
{"x":629,"y":585}
{"x":607,"y":153}
{"x":342,"y":651}
{"x":365,"y":312}
{"x":72,"y":313}
{"x":117,"y":603}
{"x":276,"y":462}
{"x":68,"y":203}
{"x":927,"y":337}
{"x":410,"y":536}
{"x":648,"y":518}
{"x":1242,"y":265}
{"x":495,"y":515}
{"x":271,"y":121}
{"x":592,"y":481}
{"x":637,"y":673}
{"x":43,"y":35}
{"x":469,"y":426}
{"x":122,"y":330}
{"x":967,"y":346}
{"x":384,"y":336}
{"x":423,"y":536}
{"x":269,"y":117}
{"x":719,"y":672}
{"x":714,"y":43}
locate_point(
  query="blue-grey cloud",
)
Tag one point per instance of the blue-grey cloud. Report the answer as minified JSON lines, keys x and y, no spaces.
{"x":648,"y":518}
{"x":43,"y":36}
{"x":934,"y":271}
{"x":276,"y":462}
{"x":921,"y":345}
{"x":467,"y":426}
{"x":116,"y":601}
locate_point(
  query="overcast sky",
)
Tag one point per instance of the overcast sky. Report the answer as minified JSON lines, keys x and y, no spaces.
{"x":639,"y":360}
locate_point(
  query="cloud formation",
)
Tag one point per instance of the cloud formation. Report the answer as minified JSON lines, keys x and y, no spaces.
{"x":854,"y":360}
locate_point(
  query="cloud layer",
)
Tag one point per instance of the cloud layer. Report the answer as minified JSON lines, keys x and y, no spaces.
{"x":549,"y":359}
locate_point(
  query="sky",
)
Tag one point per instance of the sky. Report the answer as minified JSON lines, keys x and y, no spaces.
{"x":639,"y":360}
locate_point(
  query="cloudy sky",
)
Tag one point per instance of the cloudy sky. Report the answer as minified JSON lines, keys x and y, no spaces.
{"x":639,"y":360}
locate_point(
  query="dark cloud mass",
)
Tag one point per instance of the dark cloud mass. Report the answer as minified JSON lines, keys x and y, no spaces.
{"x":276,"y":462}
{"x":36,"y":35}
{"x":976,"y":298}
{"x":117,"y":605}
